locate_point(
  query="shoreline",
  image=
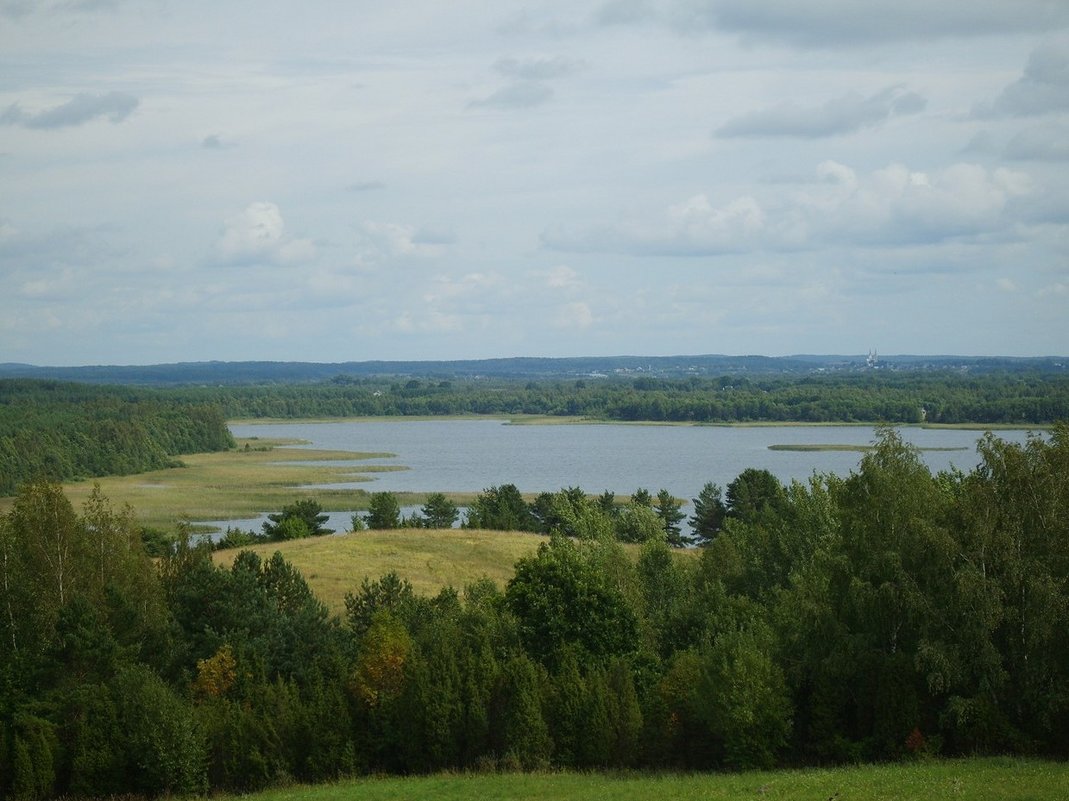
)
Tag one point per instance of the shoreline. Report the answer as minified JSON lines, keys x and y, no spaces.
{"x":539,"y":419}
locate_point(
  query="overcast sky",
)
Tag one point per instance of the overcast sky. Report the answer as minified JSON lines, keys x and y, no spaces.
{"x":332,"y":181}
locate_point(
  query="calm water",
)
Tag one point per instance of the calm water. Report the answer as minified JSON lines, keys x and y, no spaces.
{"x":471,"y":455}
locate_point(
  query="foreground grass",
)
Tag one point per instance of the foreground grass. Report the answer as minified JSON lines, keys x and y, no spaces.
{"x":998,"y":779}
{"x":428,"y":558}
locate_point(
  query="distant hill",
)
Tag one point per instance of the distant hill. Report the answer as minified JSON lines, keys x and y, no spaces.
{"x":531,"y":368}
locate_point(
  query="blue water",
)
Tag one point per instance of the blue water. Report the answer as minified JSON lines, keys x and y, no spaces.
{"x":471,"y":455}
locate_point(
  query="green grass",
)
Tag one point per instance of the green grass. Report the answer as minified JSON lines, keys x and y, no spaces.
{"x":428,"y":558}
{"x":998,"y":779}
{"x":812,"y":447}
{"x":235,"y":484}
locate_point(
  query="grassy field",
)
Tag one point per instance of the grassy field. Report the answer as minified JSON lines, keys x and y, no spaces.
{"x":239,"y":483}
{"x":1000,"y":779}
{"x":816,"y":447}
{"x":428,"y":558}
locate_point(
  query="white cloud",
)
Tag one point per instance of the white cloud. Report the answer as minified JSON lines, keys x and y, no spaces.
{"x":259,"y":234}
{"x":574,"y":316}
{"x":841,"y":115}
{"x":1006,"y":285}
{"x":691,"y":228}
{"x":887,"y":207}
{"x":563,"y":277}
{"x":381,"y":241}
{"x":1042,"y":89}
{"x":447,"y":288}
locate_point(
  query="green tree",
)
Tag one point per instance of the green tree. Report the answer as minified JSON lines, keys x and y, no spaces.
{"x":307,"y":511}
{"x":439,"y":512}
{"x":642,"y":497}
{"x":709,"y":512}
{"x":501,"y":509}
{"x":562,"y":598}
{"x":518,"y":728}
{"x":384,"y":511}
{"x":638,"y":523}
{"x":754,"y":492}
{"x":668,"y":510}
{"x":744,"y":700}
{"x":164,"y":750}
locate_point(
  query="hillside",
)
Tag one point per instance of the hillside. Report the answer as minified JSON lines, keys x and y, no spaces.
{"x":429,"y":559}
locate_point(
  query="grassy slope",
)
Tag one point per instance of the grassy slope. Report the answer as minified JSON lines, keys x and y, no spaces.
{"x":999,"y":779}
{"x":429,"y":558}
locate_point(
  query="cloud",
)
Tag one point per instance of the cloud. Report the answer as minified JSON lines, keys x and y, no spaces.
{"x":1042,"y":89}
{"x":259,"y":234}
{"x":693,"y":227}
{"x":891,"y":207}
{"x":530,"y":86}
{"x":842,"y":23}
{"x":80,"y":109}
{"x":563,"y":277}
{"x":524,"y":94}
{"x":838,"y":116}
{"x":899,"y":207}
{"x":1040,"y":143}
{"x":574,"y":316}
{"x":1057,"y":290}
{"x":382,"y":241}
{"x":538,"y":69}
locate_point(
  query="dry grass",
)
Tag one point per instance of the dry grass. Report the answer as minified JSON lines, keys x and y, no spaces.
{"x":428,"y":558}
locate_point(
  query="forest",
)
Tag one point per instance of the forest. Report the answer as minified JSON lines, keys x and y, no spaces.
{"x":63,"y":431}
{"x":873,"y":397}
{"x":889,"y":614}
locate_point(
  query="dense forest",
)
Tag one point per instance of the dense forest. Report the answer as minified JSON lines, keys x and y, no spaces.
{"x":870,"y":397}
{"x":65,"y":431}
{"x":888,"y":614}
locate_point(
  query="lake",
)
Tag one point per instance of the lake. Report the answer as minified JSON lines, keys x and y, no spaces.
{"x":471,"y":455}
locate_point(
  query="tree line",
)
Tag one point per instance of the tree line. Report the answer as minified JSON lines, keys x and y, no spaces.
{"x":569,"y":512}
{"x":928,"y":397}
{"x":62,"y":431}
{"x":883,"y":615}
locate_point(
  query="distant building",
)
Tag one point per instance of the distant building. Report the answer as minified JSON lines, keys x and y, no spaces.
{"x":872,"y":359}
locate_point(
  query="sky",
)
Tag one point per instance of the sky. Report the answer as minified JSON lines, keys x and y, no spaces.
{"x":348,"y":181}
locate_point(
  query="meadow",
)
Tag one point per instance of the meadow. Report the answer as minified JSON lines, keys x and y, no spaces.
{"x":991,"y":779}
{"x":429,"y":559}
{"x":259,"y":475}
